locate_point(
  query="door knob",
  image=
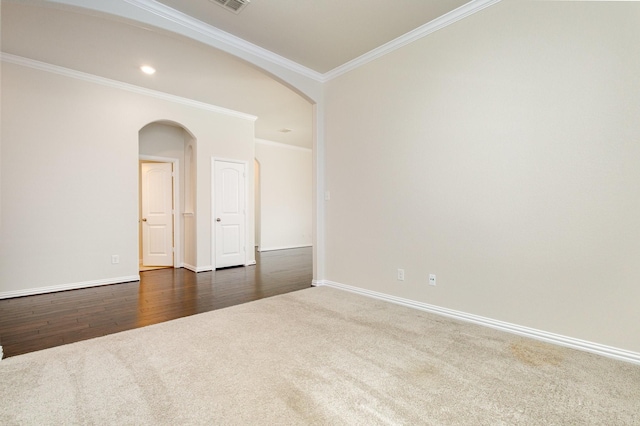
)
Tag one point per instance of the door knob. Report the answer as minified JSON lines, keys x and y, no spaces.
{"x":218,"y":220}
{"x":144,"y":219}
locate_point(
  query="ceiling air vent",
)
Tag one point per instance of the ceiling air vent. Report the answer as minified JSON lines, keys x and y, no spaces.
{"x":234,"y":6}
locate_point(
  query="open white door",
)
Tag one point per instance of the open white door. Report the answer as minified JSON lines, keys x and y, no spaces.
{"x":229,"y":214}
{"x":157,"y":214}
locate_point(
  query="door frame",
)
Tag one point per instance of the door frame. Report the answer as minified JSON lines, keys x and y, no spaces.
{"x":177,"y":234}
{"x":213,"y":208}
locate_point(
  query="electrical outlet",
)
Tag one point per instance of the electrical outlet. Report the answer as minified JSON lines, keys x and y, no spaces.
{"x":115,"y":259}
{"x":432,"y":279}
{"x":400,"y":274}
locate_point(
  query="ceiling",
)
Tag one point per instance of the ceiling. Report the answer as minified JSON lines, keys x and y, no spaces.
{"x":320,"y":35}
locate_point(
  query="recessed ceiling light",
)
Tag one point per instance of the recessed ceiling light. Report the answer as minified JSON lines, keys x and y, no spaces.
{"x":147,"y":69}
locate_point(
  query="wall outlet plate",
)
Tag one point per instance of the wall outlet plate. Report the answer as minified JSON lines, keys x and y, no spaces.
{"x":432,"y":279}
{"x":400,"y":274}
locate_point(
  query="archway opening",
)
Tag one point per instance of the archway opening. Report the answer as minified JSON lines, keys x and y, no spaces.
{"x":167,"y":239}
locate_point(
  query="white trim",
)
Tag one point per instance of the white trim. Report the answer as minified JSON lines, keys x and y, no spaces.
{"x":570,"y":342}
{"x":439,"y":23}
{"x":217,"y":36}
{"x":90,"y":78}
{"x":318,"y":190}
{"x":63,"y":287}
{"x":177,"y":234}
{"x":196,"y":269}
{"x":251,"y":263}
{"x":283,"y":247}
{"x":170,"y":19}
{"x":189,"y":267}
{"x":282,"y":145}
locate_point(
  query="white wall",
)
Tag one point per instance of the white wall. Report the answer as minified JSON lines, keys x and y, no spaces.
{"x":190,"y":235}
{"x":500,"y":153}
{"x":285,"y":195}
{"x":307,"y":83}
{"x":256,"y":200}
{"x":69,"y":177}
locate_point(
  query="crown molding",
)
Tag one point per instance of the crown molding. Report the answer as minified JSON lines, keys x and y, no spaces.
{"x":220,"y":36}
{"x":78,"y":75}
{"x":217,"y":35}
{"x":439,"y":23}
{"x":190,"y":27}
{"x":281,"y":145}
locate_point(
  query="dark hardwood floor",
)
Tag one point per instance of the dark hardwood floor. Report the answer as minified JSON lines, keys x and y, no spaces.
{"x":37,"y":322}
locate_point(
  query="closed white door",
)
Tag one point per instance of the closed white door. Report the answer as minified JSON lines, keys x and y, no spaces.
{"x":157,"y":214}
{"x":229,"y":214}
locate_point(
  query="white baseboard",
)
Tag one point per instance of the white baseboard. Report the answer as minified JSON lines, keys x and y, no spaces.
{"x":283,"y":247}
{"x":197,"y":269}
{"x":209,"y":268}
{"x":63,"y":287}
{"x":570,"y":342}
{"x":189,"y":267}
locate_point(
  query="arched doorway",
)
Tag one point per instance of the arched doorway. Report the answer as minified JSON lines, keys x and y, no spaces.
{"x":166,"y":147}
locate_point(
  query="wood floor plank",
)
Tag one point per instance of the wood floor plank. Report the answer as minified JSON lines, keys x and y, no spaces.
{"x":38,"y":322}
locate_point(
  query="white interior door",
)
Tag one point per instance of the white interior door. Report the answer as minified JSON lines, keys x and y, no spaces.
{"x":157,"y":214}
{"x":229,"y":213}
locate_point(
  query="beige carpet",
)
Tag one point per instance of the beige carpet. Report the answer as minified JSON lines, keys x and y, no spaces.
{"x":317,"y":356}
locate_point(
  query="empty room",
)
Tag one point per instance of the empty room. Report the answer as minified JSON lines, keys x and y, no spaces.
{"x":246,"y":256}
